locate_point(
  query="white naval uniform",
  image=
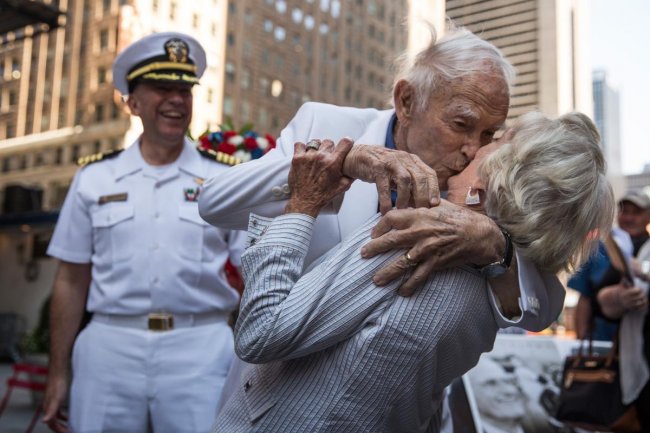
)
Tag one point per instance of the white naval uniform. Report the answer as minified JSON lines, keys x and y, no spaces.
{"x":150,"y":251}
{"x":261,"y":187}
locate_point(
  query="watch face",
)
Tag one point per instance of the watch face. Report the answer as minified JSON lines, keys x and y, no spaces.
{"x":494,"y":270}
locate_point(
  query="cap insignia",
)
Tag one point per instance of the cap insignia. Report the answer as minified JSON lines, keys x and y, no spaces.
{"x":177,"y":50}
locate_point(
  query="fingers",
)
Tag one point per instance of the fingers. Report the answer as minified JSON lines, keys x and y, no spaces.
{"x":415,"y":280}
{"x":343,"y":148}
{"x":425,"y":189}
{"x":385,"y":199}
{"x":299,"y":148}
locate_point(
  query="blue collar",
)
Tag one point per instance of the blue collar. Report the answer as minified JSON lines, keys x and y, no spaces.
{"x":390,"y":140}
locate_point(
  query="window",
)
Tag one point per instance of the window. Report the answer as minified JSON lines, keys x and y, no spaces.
{"x":231,"y":39}
{"x":101,"y":75}
{"x":103,"y":39}
{"x":58,"y":155}
{"x":309,"y":22}
{"x":154,"y":5}
{"x":195,"y":21}
{"x":248,"y":17}
{"x":245,"y":79}
{"x":227,"y":106}
{"x":264,"y":85}
{"x":280,"y":34}
{"x":74,"y":154}
{"x":245,"y":109}
{"x":11,"y":130}
{"x":107,"y":5}
{"x":13,"y":98}
{"x":263,"y":118}
{"x":97,"y":146}
{"x":6,"y":165}
{"x":232,"y":8}
{"x":99,"y":113}
{"x":268,"y":26}
{"x":172,"y":10}
{"x":230,"y":72}
{"x":281,"y":6}
{"x":296,"y":15}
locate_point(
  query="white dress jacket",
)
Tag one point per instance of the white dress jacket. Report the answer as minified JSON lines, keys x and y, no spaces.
{"x":261,"y":187}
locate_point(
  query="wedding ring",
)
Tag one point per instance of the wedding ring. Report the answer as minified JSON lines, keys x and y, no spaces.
{"x":409,"y":261}
{"x":313,"y":144}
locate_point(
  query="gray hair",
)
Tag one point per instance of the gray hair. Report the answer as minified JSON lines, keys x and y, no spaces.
{"x":457,"y":54}
{"x":547,"y":187}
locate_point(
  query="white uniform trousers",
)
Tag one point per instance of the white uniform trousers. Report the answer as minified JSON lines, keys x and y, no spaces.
{"x":132,"y":380}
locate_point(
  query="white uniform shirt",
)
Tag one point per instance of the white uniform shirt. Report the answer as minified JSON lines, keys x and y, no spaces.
{"x":141,"y":230}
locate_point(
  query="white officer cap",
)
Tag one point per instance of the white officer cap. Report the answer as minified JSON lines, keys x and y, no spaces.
{"x":160,"y":57}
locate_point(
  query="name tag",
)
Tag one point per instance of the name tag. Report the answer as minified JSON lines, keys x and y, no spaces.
{"x":113,"y":197}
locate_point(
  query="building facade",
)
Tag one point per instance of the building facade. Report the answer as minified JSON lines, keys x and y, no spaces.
{"x":607,"y":119}
{"x":282,"y":53}
{"x":546,"y":40}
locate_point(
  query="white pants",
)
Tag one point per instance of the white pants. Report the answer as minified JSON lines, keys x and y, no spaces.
{"x":127,"y":380}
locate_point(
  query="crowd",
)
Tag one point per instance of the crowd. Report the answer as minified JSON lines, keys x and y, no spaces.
{"x":384,"y":251}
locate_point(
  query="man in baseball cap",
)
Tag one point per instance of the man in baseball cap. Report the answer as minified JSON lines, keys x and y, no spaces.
{"x":634,"y":217}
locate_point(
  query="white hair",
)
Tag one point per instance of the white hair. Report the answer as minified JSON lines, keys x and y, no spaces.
{"x":547,"y":187}
{"x":457,"y":54}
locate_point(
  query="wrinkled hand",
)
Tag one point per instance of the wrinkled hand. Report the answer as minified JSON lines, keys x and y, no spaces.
{"x":55,"y":395}
{"x":315,"y":177}
{"x":436,"y":238}
{"x":632,"y":298}
{"x":416,"y":183}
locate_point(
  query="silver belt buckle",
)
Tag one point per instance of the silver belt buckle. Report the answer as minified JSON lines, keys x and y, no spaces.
{"x":160,"y":322}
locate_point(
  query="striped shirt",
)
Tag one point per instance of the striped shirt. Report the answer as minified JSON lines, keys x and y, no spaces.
{"x":336,"y":353}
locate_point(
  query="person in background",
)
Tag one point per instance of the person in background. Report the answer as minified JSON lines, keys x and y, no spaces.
{"x":135,"y":253}
{"x":633,"y":220}
{"x":626,"y":302}
{"x":334,"y":352}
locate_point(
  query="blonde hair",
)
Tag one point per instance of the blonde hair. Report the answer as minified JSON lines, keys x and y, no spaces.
{"x":547,"y":187}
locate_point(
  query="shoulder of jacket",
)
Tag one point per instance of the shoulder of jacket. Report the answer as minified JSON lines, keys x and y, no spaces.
{"x":96,"y":157}
{"x":221,"y":157}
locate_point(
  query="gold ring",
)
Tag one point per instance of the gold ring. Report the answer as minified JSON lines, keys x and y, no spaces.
{"x":409,"y":261}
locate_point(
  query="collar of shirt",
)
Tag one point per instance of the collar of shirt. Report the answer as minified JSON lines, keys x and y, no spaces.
{"x":132,"y":161}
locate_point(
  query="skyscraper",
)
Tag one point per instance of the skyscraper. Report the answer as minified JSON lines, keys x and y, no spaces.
{"x":607,"y":119}
{"x":545,"y":40}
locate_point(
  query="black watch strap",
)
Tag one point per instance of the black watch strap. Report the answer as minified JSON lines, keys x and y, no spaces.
{"x":507,"y":254}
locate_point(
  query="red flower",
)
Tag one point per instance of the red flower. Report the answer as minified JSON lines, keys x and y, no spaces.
{"x":228,"y":134}
{"x":205,"y":143}
{"x":271,"y":141}
{"x":227,"y":148}
{"x":250,"y":143}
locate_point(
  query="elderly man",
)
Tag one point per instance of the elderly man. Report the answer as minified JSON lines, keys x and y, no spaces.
{"x":135,"y":253}
{"x":448,"y":103}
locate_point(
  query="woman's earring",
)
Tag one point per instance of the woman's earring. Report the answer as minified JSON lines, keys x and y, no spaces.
{"x":472,"y":199}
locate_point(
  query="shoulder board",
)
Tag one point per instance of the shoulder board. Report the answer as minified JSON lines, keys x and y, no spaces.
{"x":89,"y":159}
{"x":221,"y":157}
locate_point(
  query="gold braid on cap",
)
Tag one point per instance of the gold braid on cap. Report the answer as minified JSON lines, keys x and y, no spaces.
{"x":155,"y":66}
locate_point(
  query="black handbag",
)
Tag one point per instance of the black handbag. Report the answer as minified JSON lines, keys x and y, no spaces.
{"x":591,"y":397}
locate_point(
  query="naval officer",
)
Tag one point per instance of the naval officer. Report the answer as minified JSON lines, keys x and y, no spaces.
{"x":134,"y":252}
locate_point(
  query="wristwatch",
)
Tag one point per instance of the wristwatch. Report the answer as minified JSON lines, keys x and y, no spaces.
{"x":499,"y":268}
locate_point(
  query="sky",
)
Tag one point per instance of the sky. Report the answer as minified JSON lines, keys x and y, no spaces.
{"x":620,"y":44}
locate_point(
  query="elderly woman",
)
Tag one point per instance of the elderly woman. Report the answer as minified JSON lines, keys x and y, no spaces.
{"x":337,"y":353}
